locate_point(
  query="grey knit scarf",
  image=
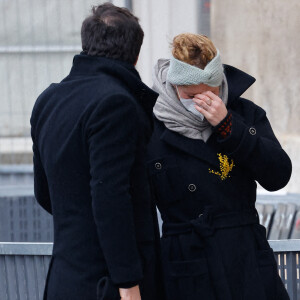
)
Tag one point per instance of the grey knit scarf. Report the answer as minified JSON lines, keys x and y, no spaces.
{"x":170,"y":110}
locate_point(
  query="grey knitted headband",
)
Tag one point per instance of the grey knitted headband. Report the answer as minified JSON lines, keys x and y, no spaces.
{"x":181,"y":73}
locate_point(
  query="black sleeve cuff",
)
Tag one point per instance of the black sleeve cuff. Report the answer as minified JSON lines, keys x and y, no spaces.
{"x":223,"y":129}
{"x":240,"y":143}
{"x":128,"y":285}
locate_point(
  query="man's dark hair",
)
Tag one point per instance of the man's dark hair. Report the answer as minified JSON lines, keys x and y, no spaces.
{"x":112,"y":32}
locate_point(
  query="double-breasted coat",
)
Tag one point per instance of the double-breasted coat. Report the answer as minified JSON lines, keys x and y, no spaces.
{"x":213,"y":246}
{"x":89,"y":140}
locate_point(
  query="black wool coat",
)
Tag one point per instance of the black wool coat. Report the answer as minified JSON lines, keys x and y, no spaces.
{"x":89,"y":140}
{"x":213,"y":246}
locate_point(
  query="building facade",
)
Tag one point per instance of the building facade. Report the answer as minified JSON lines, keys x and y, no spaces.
{"x":38,"y":40}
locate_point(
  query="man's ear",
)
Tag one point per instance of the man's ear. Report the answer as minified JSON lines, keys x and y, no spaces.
{"x":136,"y":60}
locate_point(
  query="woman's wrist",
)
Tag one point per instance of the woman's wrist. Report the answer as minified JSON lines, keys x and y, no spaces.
{"x":128,"y":285}
{"x":224,"y":127}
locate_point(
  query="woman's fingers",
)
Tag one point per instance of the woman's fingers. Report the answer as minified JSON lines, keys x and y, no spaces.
{"x":200,"y":97}
{"x":204,"y":112}
{"x":202,"y":103}
{"x":212,"y":96}
{"x":211,"y":106}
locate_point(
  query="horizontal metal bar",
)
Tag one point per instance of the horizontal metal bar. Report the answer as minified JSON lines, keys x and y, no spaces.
{"x":8,"y":191}
{"x":26,"y":248}
{"x":285,"y":245}
{"x":46,"y":248}
{"x":16,"y":169}
{"x":39,"y":49}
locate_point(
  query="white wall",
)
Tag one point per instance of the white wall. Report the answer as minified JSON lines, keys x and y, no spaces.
{"x":262,"y":38}
{"x":161,"y":21}
{"x":38,"y":40}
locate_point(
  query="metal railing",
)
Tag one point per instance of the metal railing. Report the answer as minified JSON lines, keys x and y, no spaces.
{"x":23,"y":268}
{"x":287,"y":256}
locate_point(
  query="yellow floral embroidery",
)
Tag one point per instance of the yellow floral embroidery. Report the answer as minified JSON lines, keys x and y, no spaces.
{"x":225,"y":167}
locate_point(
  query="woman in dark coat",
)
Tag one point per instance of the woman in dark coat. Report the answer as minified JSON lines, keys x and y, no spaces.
{"x":209,"y":148}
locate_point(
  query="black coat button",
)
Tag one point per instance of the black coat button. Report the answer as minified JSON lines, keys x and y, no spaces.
{"x":252,"y":130}
{"x":192,"y":187}
{"x":158,"y":166}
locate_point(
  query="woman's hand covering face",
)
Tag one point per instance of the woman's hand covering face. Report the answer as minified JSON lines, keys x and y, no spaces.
{"x":211,"y":106}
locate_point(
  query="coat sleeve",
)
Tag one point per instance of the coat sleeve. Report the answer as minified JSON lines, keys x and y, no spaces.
{"x":41,"y":190}
{"x":256,"y":148}
{"x":112,"y":132}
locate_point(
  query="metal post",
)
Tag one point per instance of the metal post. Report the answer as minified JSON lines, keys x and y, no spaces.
{"x":128,"y":4}
{"x":204,"y":17}
{"x":291,"y":272}
{"x":123,"y":3}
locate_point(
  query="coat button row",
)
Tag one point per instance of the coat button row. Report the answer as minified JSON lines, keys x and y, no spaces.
{"x":158,"y":166}
{"x":252,"y":130}
{"x":192,"y":187}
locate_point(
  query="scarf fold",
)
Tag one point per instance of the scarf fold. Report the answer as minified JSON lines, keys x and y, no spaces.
{"x":171,"y":111}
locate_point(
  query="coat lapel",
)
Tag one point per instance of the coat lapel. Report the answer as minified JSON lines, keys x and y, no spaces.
{"x":197,"y":148}
{"x":238,"y":82}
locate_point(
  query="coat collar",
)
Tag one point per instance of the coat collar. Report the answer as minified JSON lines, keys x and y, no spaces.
{"x":238,"y":82}
{"x":84,"y":64}
{"x":197,"y":148}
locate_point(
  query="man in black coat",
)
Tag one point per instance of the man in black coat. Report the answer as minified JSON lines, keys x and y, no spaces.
{"x":89,"y":134}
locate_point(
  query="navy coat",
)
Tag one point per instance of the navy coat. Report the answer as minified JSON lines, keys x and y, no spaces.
{"x":89,"y":139}
{"x":213,"y":246}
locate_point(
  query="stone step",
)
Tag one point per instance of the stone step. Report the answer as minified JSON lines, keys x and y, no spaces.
{"x":15,"y":150}
{"x":16,"y":175}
